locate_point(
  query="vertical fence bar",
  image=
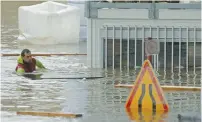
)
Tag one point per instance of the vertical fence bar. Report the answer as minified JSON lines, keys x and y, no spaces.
{"x":106,"y":36}
{"x":187,"y":56}
{"x":194,"y":50}
{"x":143,"y":44}
{"x":165,"y":39}
{"x":113,"y":49}
{"x":150,"y":30}
{"x":180,"y":39}
{"x":201,"y":60}
{"x":98,"y":62}
{"x":172,"y":56}
{"x":128,"y":48}
{"x":120,"y":48}
{"x":157,"y":56}
{"x":135,"y":47}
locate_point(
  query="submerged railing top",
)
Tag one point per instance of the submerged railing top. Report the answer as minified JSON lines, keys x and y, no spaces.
{"x":91,"y":7}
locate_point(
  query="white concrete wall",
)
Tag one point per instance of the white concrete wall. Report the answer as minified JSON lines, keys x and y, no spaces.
{"x":125,"y":13}
{"x":179,"y":14}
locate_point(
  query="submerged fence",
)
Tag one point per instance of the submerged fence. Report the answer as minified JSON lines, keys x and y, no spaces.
{"x":125,"y":46}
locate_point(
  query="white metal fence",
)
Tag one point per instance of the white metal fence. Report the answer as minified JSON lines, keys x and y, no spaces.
{"x":180,"y":47}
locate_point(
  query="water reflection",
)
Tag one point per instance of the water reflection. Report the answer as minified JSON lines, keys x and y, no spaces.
{"x":146,"y":116}
{"x":91,"y":97}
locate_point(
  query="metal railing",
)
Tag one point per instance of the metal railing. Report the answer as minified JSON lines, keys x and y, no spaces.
{"x":179,"y":46}
{"x":91,"y":7}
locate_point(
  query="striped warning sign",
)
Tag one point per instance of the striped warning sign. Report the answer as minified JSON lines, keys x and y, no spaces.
{"x":147,"y":92}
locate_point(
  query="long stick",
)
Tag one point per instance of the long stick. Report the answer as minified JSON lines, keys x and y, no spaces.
{"x":56,"y":54}
{"x":35,"y":78}
{"x":38,"y":77}
{"x":74,"y":78}
{"x":165,"y":88}
{"x":49,"y":114}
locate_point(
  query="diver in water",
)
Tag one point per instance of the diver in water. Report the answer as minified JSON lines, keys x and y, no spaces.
{"x":26,"y":63}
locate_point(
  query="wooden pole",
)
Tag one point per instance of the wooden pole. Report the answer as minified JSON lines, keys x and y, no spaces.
{"x":49,"y":114}
{"x":56,"y":54}
{"x":165,"y":88}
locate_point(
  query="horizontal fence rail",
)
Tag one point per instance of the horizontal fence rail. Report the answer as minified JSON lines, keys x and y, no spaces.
{"x":100,"y":5}
{"x":92,"y":7}
{"x":193,"y":34}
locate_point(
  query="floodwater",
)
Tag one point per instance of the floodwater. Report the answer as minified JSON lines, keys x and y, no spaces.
{"x":96,"y":99}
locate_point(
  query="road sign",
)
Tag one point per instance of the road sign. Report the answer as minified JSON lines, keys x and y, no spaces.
{"x":152,"y":47}
{"x":147,"y":92}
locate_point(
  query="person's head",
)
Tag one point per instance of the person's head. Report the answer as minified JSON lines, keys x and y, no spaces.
{"x":26,"y":55}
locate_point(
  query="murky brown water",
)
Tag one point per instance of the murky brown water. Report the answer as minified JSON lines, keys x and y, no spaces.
{"x":97,"y":100}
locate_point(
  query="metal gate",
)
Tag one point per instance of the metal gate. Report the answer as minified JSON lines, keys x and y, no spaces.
{"x":123,"y":46}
